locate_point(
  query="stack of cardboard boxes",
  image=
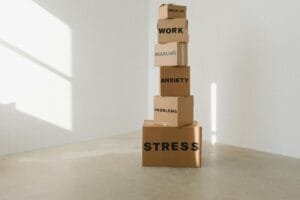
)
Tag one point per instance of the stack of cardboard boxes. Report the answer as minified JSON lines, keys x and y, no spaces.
{"x":173,"y":138}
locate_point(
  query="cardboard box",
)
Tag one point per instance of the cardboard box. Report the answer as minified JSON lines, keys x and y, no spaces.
{"x":172,"y":30}
{"x":171,"y":54}
{"x":173,"y":111}
{"x":171,"y":11}
{"x":175,"y":81}
{"x":171,"y":146}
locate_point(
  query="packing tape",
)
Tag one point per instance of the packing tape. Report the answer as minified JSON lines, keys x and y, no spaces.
{"x":182,"y":56}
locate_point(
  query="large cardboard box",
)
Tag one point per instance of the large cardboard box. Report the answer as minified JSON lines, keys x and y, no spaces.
{"x":171,"y":54}
{"x":171,"y":146}
{"x":173,"y":111}
{"x":171,"y":11}
{"x":172,"y":30}
{"x":175,"y":81}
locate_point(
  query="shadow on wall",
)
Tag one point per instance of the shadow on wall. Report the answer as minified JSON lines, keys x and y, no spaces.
{"x":21,"y":131}
{"x":250,"y":50}
{"x":252,"y":119}
{"x":57,"y":83}
{"x":243,"y":96}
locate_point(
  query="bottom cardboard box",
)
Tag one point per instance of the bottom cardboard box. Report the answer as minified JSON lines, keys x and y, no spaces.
{"x":165,"y":146}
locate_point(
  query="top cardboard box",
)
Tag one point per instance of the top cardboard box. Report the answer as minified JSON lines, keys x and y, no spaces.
{"x":170,"y":11}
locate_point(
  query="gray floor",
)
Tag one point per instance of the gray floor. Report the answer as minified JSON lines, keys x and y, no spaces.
{"x":110,"y":169}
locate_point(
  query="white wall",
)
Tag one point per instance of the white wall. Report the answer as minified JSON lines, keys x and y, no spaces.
{"x":71,"y":71}
{"x":76,"y":71}
{"x":250,"y":50}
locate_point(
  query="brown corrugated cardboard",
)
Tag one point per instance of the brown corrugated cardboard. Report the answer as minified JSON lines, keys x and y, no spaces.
{"x":173,"y":111}
{"x":175,"y":81}
{"x":171,"y":146}
{"x":172,"y":30}
{"x":171,"y":11}
{"x":171,"y":54}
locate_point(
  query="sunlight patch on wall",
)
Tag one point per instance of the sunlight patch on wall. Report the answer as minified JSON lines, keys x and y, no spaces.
{"x":213,"y":139}
{"x":213,"y":89}
{"x":35,"y":64}
{"x":27,"y":26}
{"x":213,"y":110}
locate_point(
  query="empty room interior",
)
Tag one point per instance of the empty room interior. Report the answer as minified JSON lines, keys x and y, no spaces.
{"x":187,"y":99}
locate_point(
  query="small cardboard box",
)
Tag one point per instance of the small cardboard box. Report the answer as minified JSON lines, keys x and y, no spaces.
{"x":173,"y":111}
{"x":175,"y":81}
{"x":171,"y":54}
{"x":171,"y":146}
{"x":172,"y":30}
{"x":171,"y":11}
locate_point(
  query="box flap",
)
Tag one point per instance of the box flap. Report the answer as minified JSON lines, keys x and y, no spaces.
{"x":150,"y":123}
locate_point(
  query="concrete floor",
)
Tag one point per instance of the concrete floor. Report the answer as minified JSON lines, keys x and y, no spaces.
{"x":111,"y":169}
